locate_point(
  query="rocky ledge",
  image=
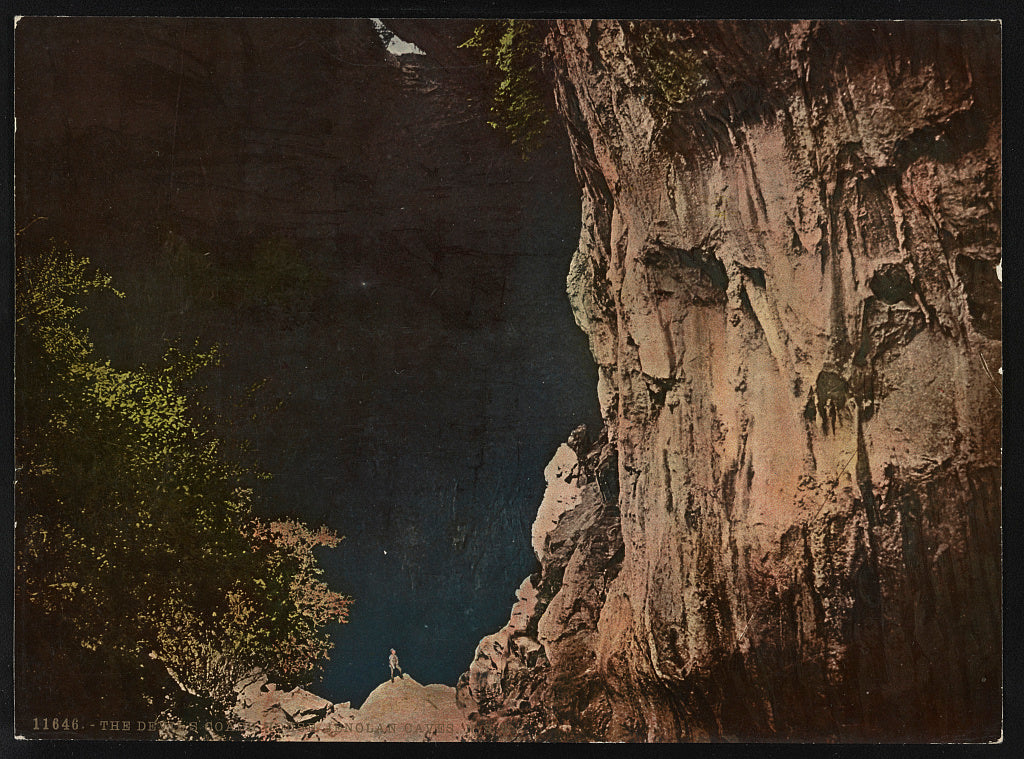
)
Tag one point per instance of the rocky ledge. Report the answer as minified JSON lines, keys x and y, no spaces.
{"x":398,"y":710}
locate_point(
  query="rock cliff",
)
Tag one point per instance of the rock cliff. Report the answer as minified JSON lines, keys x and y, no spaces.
{"x":788,"y":271}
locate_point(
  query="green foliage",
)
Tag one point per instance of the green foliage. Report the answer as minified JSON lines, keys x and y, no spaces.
{"x":511,"y":51}
{"x":670,"y":72}
{"x":47,"y":300}
{"x":136,"y":533}
{"x":278,"y":621}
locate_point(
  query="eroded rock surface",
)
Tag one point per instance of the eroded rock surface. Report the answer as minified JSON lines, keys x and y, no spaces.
{"x":528,"y":672}
{"x":400,"y":710}
{"x":788,"y":279}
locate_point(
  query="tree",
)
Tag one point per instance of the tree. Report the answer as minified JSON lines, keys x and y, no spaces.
{"x":137,"y":538}
{"x":511,"y":50}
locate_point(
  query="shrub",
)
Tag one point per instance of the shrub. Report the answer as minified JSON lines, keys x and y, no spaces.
{"x":511,"y":50}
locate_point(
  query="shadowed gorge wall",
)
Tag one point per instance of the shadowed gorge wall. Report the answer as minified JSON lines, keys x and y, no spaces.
{"x":787,"y":274}
{"x":347,"y":228}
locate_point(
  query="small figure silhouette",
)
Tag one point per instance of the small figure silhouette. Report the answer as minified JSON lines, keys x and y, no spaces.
{"x":393,"y":664}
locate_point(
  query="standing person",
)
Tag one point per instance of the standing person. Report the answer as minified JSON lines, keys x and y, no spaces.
{"x":393,"y":664}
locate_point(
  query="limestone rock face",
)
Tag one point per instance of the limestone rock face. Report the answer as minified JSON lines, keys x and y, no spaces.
{"x":788,"y":275}
{"x":529,"y":671}
{"x":561,"y":495}
{"x":499,"y":656}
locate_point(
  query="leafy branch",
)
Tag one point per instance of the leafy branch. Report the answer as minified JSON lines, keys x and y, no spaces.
{"x":511,"y":51}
